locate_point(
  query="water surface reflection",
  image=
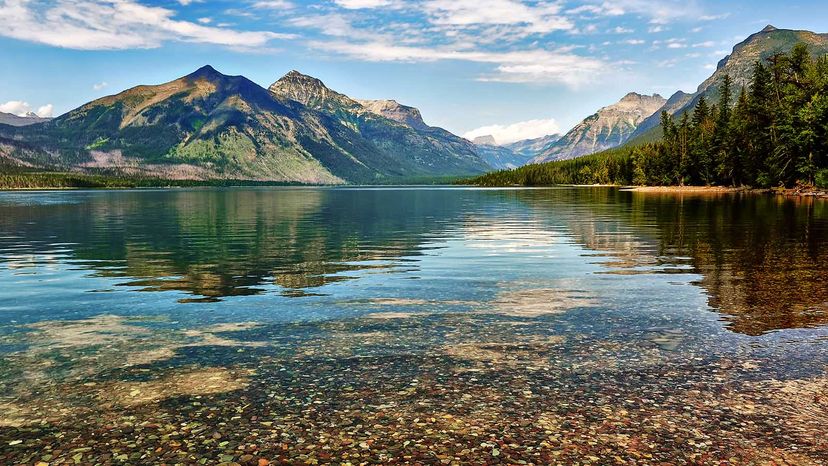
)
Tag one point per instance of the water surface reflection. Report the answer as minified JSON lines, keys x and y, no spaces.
{"x":448,"y":325}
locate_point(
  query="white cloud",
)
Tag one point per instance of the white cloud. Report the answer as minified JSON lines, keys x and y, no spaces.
{"x":623,"y":30}
{"x":673,"y":43}
{"x":20,"y":108}
{"x":505,"y":134}
{"x":333,"y":24}
{"x":16,"y":107}
{"x":538,"y":66}
{"x":708,"y":43}
{"x":634,"y":42}
{"x":273,"y":5}
{"x":538,"y":18}
{"x":100,"y":85}
{"x":714,"y":17}
{"x":605,"y":9}
{"x":361,"y":4}
{"x":45,"y":111}
{"x":113,"y":24}
{"x":205,"y":20}
{"x":658,"y":11}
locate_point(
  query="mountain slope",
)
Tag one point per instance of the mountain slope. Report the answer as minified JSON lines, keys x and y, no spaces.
{"x":208,"y":125}
{"x":398,"y":130}
{"x":739,"y":65}
{"x":203,"y":125}
{"x":675,"y":103}
{"x":759,"y":46}
{"x":610,"y":127}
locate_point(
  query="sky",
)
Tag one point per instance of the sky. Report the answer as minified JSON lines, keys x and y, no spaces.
{"x":514,"y":69}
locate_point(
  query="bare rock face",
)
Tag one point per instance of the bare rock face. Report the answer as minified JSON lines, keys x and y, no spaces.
{"x":487,"y":140}
{"x":394,"y":110}
{"x":310,"y":92}
{"x":609,"y":127}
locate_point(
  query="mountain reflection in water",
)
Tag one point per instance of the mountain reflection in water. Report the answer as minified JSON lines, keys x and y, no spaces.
{"x":760,"y":259}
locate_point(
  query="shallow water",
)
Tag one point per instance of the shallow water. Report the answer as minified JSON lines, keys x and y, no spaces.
{"x":412,"y":325}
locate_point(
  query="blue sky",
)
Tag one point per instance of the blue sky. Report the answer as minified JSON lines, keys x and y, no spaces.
{"x":514,"y":68}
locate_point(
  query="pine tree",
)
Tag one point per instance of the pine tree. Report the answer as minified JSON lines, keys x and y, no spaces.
{"x":738,"y":156}
{"x":723,"y":170}
{"x":760,"y":125}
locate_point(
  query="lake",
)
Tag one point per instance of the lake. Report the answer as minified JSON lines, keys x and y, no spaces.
{"x":412,"y":324}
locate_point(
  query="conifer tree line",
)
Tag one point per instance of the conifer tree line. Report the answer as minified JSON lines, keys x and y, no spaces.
{"x":772,"y":133}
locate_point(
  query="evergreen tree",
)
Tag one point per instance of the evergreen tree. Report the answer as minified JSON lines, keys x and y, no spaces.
{"x":721,"y":138}
{"x":760,"y":125}
{"x":738,"y":157}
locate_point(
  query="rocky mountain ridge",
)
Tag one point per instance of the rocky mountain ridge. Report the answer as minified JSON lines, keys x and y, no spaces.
{"x":208,"y":125}
{"x":739,"y":66}
{"x":609,"y":127}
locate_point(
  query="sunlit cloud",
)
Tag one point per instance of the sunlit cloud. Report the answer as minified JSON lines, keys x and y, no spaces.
{"x":537,"y":66}
{"x":113,"y":24}
{"x":21,"y":108}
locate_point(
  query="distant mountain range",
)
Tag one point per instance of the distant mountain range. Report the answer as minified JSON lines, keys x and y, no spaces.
{"x":531,"y":148}
{"x":209,"y":125}
{"x":512,"y":155}
{"x":17,"y":120}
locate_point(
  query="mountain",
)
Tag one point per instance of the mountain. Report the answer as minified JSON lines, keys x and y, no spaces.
{"x":674,"y":104}
{"x":16,"y":120}
{"x":398,"y":130}
{"x":759,"y":46}
{"x":739,"y":65}
{"x":203,"y":125}
{"x":499,"y":157}
{"x":531,"y":148}
{"x":610,"y":127}
{"x":393,"y":110}
{"x":208,"y":125}
{"x":512,"y":155}
{"x":487,"y":140}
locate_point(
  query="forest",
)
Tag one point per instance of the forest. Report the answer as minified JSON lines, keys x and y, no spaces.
{"x":770,"y":134}
{"x":21,"y":179}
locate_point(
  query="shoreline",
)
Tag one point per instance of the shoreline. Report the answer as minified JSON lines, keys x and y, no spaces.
{"x":694,"y":190}
{"x":788,"y":192}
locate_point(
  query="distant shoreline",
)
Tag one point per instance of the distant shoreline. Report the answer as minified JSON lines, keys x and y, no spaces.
{"x":61,"y":181}
{"x":69,"y":181}
{"x":798,"y":192}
